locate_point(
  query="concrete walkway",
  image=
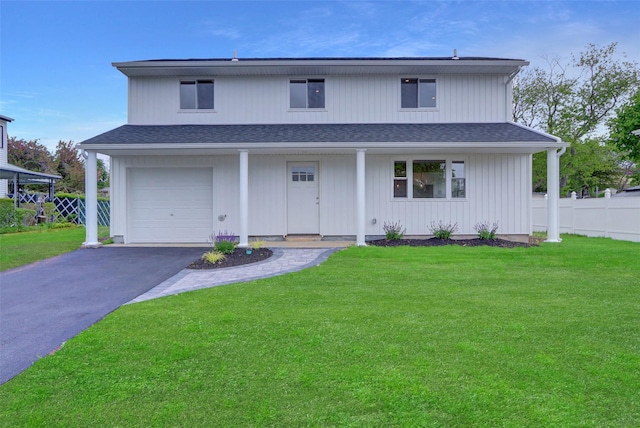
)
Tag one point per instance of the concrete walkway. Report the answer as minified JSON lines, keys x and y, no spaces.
{"x":284,"y":260}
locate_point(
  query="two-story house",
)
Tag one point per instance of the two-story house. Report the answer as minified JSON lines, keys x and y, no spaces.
{"x":333,"y":147}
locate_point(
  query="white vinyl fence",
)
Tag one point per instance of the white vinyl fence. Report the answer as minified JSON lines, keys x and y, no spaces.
{"x":617,"y":218}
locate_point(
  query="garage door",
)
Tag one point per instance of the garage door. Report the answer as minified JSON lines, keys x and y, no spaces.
{"x":170,"y":205}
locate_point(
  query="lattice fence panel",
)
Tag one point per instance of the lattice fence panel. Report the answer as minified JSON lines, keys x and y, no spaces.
{"x":75,"y":207}
{"x":66,"y":207}
{"x":103,"y":212}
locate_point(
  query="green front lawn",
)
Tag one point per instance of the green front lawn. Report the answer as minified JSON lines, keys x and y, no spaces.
{"x":445,"y":336}
{"x":17,"y":249}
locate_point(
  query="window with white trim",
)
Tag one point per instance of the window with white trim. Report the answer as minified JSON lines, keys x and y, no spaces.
{"x":417,"y":93}
{"x":196,"y":95}
{"x":419,"y":179}
{"x":306,"y":93}
{"x":400,"y":179}
{"x":458,"y":180}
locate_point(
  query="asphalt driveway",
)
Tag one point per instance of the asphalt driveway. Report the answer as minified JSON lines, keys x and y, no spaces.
{"x":44,"y":304}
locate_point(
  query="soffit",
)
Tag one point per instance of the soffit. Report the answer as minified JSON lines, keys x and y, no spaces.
{"x":319,"y":67}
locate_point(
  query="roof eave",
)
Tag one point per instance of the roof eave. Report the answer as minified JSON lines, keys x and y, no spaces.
{"x":319,"y":66}
{"x":184,"y":148}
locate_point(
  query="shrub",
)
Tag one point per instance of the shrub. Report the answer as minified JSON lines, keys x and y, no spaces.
{"x":223,"y":242}
{"x":257,"y":244}
{"x":486,"y":230}
{"x":443,"y":231}
{"x":25,"y":216}
{"x":8,"y":216}
{"x":393,"y":231}
{"x":213,"y":257}
{"x":225,"y":247}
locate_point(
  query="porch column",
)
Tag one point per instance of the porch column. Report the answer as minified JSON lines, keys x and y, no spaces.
{"x":553,"y":192}
{"x":91,"y":200}
{"x":360,"y":197}
{"x":244,"y":199}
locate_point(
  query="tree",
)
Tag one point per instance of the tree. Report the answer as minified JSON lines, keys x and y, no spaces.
{"x":30,"y":155}
{"x":621,"y":129}
{"x":70,"y":167}
{"x":573,"y":102}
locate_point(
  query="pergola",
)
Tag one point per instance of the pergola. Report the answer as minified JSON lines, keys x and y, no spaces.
{"x":19,"y":176}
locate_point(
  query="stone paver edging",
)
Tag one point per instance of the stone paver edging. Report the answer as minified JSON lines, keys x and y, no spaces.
{"x":284,"y":260}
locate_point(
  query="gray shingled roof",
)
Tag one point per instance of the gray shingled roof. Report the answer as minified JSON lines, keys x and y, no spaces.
{"x":319,"y":133}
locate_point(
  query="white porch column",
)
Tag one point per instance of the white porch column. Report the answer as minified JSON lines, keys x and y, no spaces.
{"x":244,"y":199}
{"x":360,"y":197}
{"x":91,"y":200}
{"x":553,"y":192}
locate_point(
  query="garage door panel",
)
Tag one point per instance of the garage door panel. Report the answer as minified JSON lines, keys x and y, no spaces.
{"x":170,"y":204}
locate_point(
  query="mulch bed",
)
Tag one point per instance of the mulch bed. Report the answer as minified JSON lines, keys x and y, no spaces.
{"x":435,"y":242}
{"x":237,"y":258}
{"x":240,"y":256}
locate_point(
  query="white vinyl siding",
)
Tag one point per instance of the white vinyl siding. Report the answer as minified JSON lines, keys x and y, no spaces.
{"x":498,"y":189}
{"x":348,"y":99}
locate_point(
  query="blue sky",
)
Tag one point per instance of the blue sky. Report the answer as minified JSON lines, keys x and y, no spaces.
{"x":57,"y":82}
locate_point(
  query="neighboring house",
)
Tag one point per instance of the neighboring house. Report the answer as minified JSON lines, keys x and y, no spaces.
{"x":333,"y":147}
{"x":631,"y":192}
{"x":14,"y":175}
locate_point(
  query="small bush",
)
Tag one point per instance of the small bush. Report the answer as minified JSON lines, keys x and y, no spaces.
{"x":8,"y":216}
{"x":225,"y":247}
{"x":393,"y":231}
{"x":213,"y":257}
{"x":257,"y":244}
{"x":25,"y":216}
{"x":223,"y":242}
{"x":443,"y":231}
{"x":486,"y":230}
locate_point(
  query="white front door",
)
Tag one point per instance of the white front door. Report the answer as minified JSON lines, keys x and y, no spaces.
{"x":303,"y":203}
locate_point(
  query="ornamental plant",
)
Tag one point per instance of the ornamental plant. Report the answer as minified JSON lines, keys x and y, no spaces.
{"x":443,"y":230}
{"x":223,"y":242}
{"x":213,"y":257}
{"x":393,"y":231}
{"x":486,"y":230}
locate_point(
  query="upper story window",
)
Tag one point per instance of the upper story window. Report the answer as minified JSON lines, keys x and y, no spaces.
{"x":418,"y":93}
{"x":196,"y":95}
{"x":306,"y":93}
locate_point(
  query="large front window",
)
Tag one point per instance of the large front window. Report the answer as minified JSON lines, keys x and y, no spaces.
{"x":420,"y":179}
{"x":418,"y":93}
{"x":196,"y":95}
{"x":306,"y":93}
{"x":429,"y":179}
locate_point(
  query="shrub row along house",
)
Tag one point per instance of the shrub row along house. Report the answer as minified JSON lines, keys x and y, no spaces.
{"x":334,"y":147}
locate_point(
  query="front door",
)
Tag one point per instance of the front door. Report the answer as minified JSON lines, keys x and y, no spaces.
{"x":303,"y":202}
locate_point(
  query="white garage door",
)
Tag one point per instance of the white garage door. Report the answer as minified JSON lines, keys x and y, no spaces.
{"x":170,"y":204}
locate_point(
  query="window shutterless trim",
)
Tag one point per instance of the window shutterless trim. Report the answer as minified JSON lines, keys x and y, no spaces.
{"x":197,"y":95}
{"x":448,"y":178}
{"x":418,"y":93}
{"x":307,"y":94}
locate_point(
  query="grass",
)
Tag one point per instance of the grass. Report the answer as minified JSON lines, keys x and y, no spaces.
{"x":27,"y":247}
{"x":445,"y":336}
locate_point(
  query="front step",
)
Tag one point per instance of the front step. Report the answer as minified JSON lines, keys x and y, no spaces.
{"x":301,"y":238}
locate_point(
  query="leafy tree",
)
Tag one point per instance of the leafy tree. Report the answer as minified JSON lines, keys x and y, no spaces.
{"x":103,"y":174}
{"x":573,"y":102}
{"x":70,"y":166}
{"x":30,"y":155}
{"x":621,"y":129}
